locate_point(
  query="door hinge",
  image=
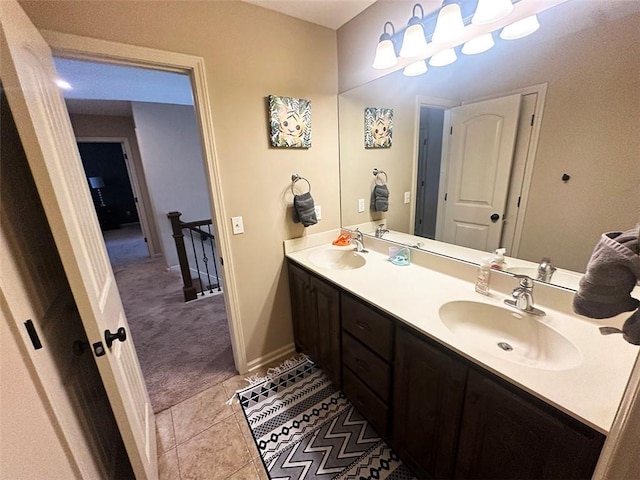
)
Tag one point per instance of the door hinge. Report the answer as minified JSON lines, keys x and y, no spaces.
{"x":33,"y":335}
{"x":445,"y":197}
{"x":518,"y":202}
{"x":451,"y":131}
{"x":125,"y":156}
{"x":532,"y":118}
{"x":221,"y":261}
{"x":135,"y":199}
{"x":145,"y":240}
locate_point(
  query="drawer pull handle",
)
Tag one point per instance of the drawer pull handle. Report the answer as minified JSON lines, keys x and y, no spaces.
{"x":362,"y":325}
{"x":362,"y":364}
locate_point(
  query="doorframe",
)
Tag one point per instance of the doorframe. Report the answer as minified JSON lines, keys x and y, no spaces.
{"x":96,"y":50}
{"x":541,"y":90}
{"x":135,"y":186}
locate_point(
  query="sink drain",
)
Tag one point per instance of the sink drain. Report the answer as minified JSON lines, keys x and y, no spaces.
{"x":505,"y":346}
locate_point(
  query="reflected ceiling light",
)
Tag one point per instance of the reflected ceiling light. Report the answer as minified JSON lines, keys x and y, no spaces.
{"x":415,"y":68}
{"x":491,"y":10}
{"x":64,"y":85}
{"x":385,"y":51}
{"x":479,"y":44}
{"x":414,"y":43}
{"x":445,"y":57}
{"x":521,"y":28}
{"x":449,"y":25}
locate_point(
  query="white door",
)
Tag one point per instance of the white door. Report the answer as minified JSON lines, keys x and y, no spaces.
{"x":28,"y":75}
{"x":482,"y":141}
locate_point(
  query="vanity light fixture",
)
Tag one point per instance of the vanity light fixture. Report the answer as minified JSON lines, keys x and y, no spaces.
{"x":445,"y":57}
{"x":415,"y":68}
{"x":489,"y":11}
{"x":386,"y":50}
{"x":521,"y":28}
{"x":479,"y":44}
{"x":414,"y":43}
{"x":449,"y":25}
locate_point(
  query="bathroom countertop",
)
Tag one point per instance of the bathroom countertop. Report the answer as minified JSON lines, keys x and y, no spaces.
{"x":590,"y":392}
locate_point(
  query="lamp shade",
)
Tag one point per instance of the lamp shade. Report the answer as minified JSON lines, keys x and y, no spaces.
{"x":449,"y":24}
{"x":479,"y":44}
{"x":445,"y":57}
{"x":491,"y":10}
{"x":521,"y":28}
{"x":416,"y":68}
{"x":386,"y":50}
{"x":414,"y":43}
{"x":96,"y":182}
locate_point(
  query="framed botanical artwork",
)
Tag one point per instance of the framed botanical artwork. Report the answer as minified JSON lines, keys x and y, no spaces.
{"x":290,"y":122}
{"x":378,"y":127}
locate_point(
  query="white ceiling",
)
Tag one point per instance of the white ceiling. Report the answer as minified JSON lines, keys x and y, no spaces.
{"x":328,"y":13}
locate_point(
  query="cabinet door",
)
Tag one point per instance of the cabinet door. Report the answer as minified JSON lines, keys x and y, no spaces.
{"x":427,"y":408}
{"x":326,"y":305}
{"x":304,"y":329}
{"x":506,"y":435}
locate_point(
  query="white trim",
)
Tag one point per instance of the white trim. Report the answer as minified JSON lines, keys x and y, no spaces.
{"x":278,"y":354}
{"x":135,"y":186}
{"x":444,"y":174}
{"x":541,"y":90}
{"x":77,"y":47}
{"x":422,"y":101}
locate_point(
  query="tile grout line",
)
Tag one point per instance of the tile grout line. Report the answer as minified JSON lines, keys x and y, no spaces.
{"x":176,"y":443}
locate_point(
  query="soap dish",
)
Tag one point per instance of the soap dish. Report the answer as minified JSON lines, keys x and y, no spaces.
{"x":400,"y":256}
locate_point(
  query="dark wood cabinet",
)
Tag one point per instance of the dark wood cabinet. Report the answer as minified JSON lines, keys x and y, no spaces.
{"x":315,"y":310}
{"x":507,"y":434}
{"x":427,"y":405}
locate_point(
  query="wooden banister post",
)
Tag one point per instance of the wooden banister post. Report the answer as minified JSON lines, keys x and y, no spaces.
{"x":176,"y":226}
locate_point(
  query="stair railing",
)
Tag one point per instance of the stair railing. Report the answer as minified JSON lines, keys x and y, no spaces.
{"x":202,"y":247}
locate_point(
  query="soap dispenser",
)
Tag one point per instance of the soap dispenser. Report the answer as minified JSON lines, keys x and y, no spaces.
{"x":484,"y":273}
{"x":497,"y":261}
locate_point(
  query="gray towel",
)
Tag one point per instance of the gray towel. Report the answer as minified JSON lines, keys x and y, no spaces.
{"x":612,"y":273}
{"x":303,"y":210}
{"x":380,"y":198}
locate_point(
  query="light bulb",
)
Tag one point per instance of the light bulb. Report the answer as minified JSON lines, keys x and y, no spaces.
{"x":491,"y":10}
{"x":449,"y":25}
{"x":63,"y":84}
{"x":385,"y":55}
{"x":521,"y":28}
{"x":414,"y":43}
{"x":479,"y":44}
{"x":445,"y":57}
{"x":415,"y":68}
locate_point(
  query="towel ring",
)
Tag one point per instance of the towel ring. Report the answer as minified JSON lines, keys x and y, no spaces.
{"x":294,"y":178}
{"x":377,"y":173}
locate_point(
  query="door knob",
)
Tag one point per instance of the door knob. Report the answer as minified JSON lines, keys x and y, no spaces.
{"x":495,"y":217}
{"x":109,"y":337}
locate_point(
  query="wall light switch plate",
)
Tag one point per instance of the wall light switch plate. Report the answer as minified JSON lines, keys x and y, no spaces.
{"x":318,"y":210}
{"x":360,"y":205}
{"x":238,"y":226}
{"x":407,"y":197}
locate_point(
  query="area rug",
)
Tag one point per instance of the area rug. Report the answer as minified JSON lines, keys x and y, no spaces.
{"x":305,"y":428}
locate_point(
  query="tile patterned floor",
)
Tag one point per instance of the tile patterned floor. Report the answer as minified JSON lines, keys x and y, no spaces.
{"x":204,"y":438}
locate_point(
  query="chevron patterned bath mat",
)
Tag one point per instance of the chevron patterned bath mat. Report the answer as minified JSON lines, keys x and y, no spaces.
{"x":305,"y":428}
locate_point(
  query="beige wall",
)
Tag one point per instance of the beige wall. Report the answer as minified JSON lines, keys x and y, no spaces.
{"x":589,"y":127}
{"x":249,"y":53}
{"x":119,"y":126}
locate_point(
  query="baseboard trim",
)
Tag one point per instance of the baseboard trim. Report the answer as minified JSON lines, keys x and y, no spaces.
{"x":280,"y":354}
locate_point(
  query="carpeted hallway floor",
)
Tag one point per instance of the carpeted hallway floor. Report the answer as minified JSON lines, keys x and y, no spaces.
{"x":183,"y":348}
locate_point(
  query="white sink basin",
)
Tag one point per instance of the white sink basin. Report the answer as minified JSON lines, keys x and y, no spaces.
{"x":337,"y":259}
{"x":560,"y":278}
{"x":510,"y":335}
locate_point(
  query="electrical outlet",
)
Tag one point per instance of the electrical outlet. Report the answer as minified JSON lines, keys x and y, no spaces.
{"x":360,"y":205}
{"x":407,"y":197}
{"x":238,"y":226}
{"x":318,"y":210}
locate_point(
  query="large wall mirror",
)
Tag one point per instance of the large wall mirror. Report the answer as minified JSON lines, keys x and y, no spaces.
{"x":571,"y":95}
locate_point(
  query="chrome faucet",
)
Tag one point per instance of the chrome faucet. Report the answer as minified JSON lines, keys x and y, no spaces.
{"x":358,"y":239}
{"x":380,"y":231}
{"x":545,"y":270}
{"x":523,"y":296}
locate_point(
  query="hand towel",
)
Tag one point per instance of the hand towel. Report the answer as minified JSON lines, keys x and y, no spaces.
{"x":303,"y":209}
{"x":380,"y":198}
{"x":612,"y":273}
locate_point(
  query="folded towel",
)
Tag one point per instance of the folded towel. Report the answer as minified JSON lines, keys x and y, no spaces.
{"x":380,"y":198}
{"x":303,"y":209}
{"x":612,"y":273}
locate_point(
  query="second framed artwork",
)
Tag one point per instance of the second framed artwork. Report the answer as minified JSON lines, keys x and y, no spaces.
{"x":378,"y":127}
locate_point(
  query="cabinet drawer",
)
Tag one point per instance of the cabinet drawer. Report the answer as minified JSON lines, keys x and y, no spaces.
{"x":370,"y":368}
{"x":368,"y":326}
{"x":373,"y":409}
